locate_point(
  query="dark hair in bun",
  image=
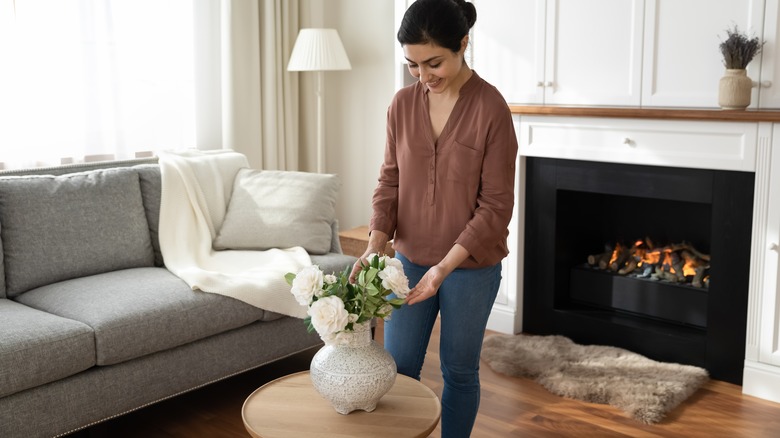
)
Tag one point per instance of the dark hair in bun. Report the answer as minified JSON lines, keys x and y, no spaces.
{"x":441,"y":22}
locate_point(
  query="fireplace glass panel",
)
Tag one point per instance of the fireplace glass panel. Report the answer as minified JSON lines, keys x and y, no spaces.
{"x":587,"y":222}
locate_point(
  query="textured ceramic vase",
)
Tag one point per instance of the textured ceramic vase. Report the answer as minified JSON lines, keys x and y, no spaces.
{"x":734,"y":89}
{"x":353,"y":375}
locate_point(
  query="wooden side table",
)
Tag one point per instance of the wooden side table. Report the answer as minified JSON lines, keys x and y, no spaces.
{"x":290,"y":406}
{"x":355,"y":241}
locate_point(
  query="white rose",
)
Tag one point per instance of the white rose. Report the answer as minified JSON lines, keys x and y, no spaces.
{"x":394,"y":279}
{"x":330,"y":279}
{"x":328,"y":315}
{"x":306,"y":284}
{"x":392,"y":261}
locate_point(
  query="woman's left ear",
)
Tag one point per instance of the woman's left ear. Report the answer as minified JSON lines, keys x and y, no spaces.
{"x":464,"y":43}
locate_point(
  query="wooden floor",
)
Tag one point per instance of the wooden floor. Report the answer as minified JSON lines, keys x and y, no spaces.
{"x":510,"y":407}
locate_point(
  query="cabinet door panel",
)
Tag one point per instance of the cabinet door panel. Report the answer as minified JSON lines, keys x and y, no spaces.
{"x":507,"y":47}
{"x":594,"y":52}
{"x":682,"y":59}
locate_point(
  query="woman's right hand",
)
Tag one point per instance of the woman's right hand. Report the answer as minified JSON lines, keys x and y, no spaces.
{"x":377,"y":241}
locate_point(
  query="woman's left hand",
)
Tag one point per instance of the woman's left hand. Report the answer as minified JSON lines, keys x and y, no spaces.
{"x":428,"y":285}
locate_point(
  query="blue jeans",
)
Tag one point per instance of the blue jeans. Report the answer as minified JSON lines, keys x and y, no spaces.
{"x":465,"y":300}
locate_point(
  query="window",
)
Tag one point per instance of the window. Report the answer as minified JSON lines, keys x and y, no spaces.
{"x":92,"y":80}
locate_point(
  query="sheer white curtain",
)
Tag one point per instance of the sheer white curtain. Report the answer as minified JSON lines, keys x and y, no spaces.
{"x":259,"y":96}
{"x":91,"y":80}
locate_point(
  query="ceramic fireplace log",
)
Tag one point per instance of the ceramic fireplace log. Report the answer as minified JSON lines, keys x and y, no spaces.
{"x":633,"y":262}
{"x":698,"y":277}
{"x":602,"y":259}
{"x":677,"y":264}
{"x":622,"y":256}
{"x":696,"y":252}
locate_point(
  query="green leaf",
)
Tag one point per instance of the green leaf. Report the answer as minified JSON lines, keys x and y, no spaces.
{"x":370,"y":275}
{"x":397,"y":302}
{"x":289,"y":277}
{"x":309,"y":326}
{"x":361,"y":278}
{"x":372,"y":290}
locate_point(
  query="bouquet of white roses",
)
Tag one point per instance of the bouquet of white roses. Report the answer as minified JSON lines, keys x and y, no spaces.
{"x":335,"y":304}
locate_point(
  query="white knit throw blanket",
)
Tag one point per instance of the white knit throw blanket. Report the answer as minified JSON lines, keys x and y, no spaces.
{"x":196,"y":189}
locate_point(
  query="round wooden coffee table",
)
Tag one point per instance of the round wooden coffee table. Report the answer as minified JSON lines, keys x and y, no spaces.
{"x":290,"y":406}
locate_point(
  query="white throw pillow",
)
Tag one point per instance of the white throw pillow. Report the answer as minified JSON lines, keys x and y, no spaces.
{"x":280,"y":209}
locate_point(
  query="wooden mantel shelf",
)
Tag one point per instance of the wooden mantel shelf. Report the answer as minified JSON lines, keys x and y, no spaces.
{"x":650,"y":113}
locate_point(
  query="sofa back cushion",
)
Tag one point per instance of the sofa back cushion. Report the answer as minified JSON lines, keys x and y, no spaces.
{"x":60,"y":227}
{"x":151,"y":193}
{"x":280,"y":209}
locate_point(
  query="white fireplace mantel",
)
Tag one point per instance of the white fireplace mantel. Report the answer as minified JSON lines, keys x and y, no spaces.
{"x":704,"y":139}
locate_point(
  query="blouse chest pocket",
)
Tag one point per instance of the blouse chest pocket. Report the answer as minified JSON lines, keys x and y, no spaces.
{"x":464,"y":164}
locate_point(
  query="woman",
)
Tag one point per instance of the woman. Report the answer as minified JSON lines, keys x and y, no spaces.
{"x":445,"y":193}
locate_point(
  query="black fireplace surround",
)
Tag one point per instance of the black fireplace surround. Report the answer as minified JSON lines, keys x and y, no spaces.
{"x":573,"y":208}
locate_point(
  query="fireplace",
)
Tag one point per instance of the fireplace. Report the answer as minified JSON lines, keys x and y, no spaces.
{"x":574,"y":208}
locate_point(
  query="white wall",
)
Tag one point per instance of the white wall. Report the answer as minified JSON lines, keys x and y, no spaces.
{"x":356,"y":101}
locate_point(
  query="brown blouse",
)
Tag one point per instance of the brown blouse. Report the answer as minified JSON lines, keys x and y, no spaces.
{"x":458,"y":189}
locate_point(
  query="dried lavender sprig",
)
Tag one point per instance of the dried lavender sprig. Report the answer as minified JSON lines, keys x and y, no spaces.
{"x":738,"y":50}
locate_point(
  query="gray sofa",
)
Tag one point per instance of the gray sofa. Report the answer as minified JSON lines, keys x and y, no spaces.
{"x":92,"y":324}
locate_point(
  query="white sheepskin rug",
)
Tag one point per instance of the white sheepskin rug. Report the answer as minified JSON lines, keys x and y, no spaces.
{"x":645,"y":389}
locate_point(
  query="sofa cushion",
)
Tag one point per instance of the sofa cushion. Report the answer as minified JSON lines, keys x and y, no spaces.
{"x":68,"y":226}
{"x":151,"y":192}
{"x":279,"y":209}
{"x":38,"y":347}
{"x":135,"y":312}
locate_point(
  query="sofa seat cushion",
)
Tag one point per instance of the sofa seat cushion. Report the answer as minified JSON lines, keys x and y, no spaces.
{"x":37,"y":347}
{"x":139,"y":311}
{"x":61,"y":227}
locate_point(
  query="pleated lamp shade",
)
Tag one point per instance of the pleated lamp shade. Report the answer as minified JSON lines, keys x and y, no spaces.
{"x":318,"y":50}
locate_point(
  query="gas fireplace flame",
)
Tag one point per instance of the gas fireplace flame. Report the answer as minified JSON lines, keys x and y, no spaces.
{"x":678,"y":263}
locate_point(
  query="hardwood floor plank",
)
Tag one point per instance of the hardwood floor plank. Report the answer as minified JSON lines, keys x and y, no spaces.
{"x":510,"y":407}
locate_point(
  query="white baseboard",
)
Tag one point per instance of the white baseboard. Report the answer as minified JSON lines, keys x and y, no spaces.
{"x":761,"y":380}
{"x":503,"y":320}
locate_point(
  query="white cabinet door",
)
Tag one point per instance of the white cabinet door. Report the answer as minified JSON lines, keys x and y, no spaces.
{"x":507,"y":47}
{"x":682,"y":59}
{"x":594,"y":52}
{"x":567,"y":52}
{"x":769,"y":83}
